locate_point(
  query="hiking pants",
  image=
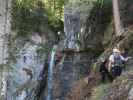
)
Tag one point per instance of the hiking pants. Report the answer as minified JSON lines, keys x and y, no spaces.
{"x":106,"y":75}
{"x":103,"y":75}
{"x":116,"y":71}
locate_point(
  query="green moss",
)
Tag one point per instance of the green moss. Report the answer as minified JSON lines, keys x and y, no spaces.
{"x":99,"y":92}
{"x":30,"y":16}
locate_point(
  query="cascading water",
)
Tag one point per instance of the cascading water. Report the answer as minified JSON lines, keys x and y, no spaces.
{"x":50,"y":73}
{"x":71,"y":28}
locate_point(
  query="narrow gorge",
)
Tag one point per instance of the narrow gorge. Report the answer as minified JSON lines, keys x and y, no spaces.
{"x":52,"y":49}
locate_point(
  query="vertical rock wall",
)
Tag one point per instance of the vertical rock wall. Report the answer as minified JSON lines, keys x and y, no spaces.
{"x":4,"y":31}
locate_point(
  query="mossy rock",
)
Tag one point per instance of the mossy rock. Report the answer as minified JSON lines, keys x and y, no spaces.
{"x":120,"y":88}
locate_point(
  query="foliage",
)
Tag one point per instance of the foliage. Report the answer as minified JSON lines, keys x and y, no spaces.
{"x":56,"y":7}
{"x":32,"y":16}
{"x":80,"y":6}
{"x":25,"y":17}
{"x":126,"y":7}
{"x":99,"y":92}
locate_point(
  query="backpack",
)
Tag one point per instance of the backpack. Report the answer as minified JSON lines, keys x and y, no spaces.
{"x":118,"y":61}
{"x":104,"y":66}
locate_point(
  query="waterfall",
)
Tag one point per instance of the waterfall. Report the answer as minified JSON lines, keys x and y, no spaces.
{"x":71,"y":28}
{"x":50,"y":73}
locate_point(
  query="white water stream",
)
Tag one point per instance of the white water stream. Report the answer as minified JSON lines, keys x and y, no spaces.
{"x":50,"y":73}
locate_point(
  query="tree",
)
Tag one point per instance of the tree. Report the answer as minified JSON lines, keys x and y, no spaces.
{"x":117,"y":21}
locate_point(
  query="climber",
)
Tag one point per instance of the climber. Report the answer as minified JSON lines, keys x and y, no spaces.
{"x":115,"y":63}
{"x":104,"y":71}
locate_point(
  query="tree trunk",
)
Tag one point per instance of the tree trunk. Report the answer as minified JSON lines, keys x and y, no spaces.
{"x":117,"y":21}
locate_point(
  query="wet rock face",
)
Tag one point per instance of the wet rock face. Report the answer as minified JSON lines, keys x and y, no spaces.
{"x":23,"y":80}
{"x":4,"y":31}
{"x":84,"y":33}
{"x":130,"y":95}
{"x":73,"y":67}
{"x":72,"y":29}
